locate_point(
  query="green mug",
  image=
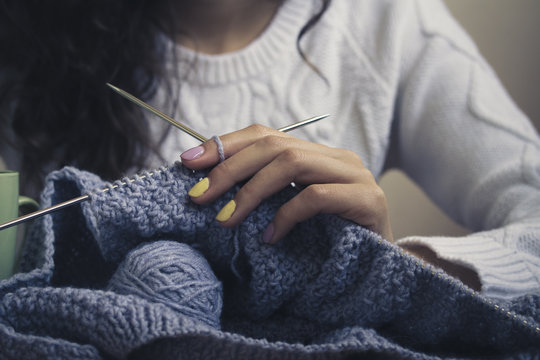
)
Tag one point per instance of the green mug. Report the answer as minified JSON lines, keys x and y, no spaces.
{"x":10,"y":202}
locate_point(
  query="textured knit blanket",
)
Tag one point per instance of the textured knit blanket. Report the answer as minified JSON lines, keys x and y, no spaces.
{"x":140,"y":271}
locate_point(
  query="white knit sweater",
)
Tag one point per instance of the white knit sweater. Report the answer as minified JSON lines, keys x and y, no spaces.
{"x":404,"y":83}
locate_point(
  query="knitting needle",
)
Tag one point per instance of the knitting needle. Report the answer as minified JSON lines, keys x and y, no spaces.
{"x":182,"y":127}
{"x":57,"y":207}
{"x":301,"y":123}
{"x":42,"y":212}
{"x":192,"y":132}
{"x":155,"y":111}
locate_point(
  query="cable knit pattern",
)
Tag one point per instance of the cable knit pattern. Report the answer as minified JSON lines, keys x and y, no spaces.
{"x":329,"y":290}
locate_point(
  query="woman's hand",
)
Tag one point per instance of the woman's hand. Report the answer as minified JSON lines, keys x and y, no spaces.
{"x":336,"y":180}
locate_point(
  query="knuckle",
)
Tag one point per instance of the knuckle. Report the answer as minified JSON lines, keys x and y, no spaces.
{"x":366,"y":176}
{"x":376,"y":200}
{"x":367,"y":205}
{"x":294,"y":157}
{"x":316,"y":192}
{"x":259,"y":130}
{"x":271,"y":142}
{"x":351,"y":156}
{"x":358,"y":174}
{"x":314,"y":196}
{"x":379,"y":195}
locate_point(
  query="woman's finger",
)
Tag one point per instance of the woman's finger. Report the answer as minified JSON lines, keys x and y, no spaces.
{"x":206,"y":154}
{"x":365,"y":205}
{"x":293,"y":160}
{"x":299,"y":166}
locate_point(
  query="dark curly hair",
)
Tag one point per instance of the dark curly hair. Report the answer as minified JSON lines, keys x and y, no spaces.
{"x":55,"y":59}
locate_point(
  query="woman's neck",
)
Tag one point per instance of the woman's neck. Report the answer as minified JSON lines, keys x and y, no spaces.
{"x":221,"y":26}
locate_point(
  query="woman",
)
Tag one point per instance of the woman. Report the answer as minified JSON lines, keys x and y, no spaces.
{"x":405,"y":86}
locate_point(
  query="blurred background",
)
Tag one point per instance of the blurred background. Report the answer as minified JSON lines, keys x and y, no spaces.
{"x":506,"y":32}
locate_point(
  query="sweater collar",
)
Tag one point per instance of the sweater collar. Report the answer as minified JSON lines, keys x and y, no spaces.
{"x":273,"y":43}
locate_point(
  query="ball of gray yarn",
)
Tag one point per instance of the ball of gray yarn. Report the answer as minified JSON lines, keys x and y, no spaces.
{"x":173,"y":274}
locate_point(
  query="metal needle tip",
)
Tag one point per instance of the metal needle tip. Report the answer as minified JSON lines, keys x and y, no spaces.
{"x":158,"y":113}
{"x":302,"y":123}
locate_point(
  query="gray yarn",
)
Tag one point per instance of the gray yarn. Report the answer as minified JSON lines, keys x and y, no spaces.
{"x":220,"y":149}
{"x":173,"y":274}
{"x":330,"y":290}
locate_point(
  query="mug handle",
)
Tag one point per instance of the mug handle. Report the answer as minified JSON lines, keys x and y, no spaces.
{"x":26,"y":206}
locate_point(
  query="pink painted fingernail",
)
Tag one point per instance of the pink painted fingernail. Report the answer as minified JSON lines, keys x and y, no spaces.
{"x":268,"y":233}
{"x":193,"y":153}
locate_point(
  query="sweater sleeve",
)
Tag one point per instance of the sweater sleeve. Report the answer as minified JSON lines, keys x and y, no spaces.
{"x":464,"y":141}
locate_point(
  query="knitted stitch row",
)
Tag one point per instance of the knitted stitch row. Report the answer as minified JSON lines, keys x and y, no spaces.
{"x":330,"y":289}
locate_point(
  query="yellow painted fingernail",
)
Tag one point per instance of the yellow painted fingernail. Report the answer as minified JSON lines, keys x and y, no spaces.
{"x":199,"y":188}
{"x":227,"y":211}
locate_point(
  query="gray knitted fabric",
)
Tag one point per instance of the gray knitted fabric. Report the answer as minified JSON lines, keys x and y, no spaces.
{"x":330,"y":290}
